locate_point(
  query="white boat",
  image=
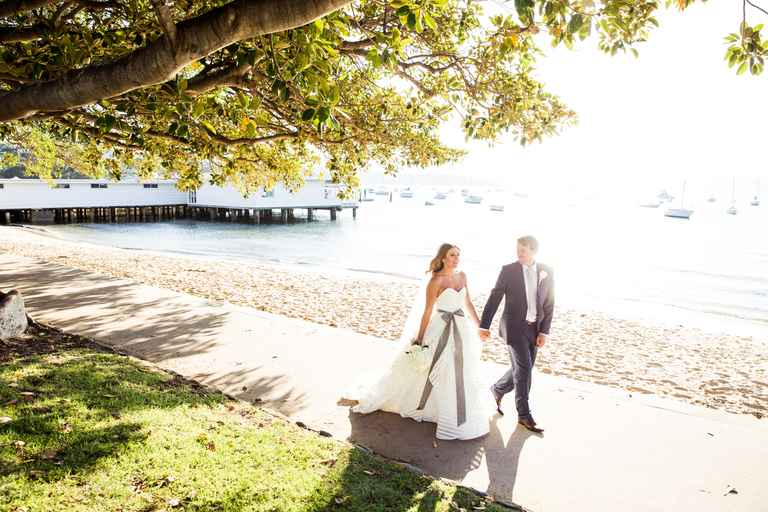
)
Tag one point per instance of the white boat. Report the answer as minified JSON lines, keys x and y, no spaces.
{"x":678,"y":213}
{"x":755,"y":202}
{"x":497,"y":207}
{"x":732,"y":210}
{"x":650,"y":204}
{"x":712,"y":199}
{"x":664,"y":197}
{"x":406,"y":194}
{"x":440,"y":195}
{"x":473,"y":199}
{"x":464,"y":192}
{"x":381,"y":191}
{"x":429,"y":203}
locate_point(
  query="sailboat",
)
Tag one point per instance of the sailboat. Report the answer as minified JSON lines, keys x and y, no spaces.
{"x":732,"y":209}
{"x":679,"y":213}
{"x":756,"y":200}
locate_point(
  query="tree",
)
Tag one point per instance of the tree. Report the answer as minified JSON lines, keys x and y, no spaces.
{"x":263,"y":91}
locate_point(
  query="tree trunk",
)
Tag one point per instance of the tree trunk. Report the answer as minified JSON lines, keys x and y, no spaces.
{"x":162,"y":59}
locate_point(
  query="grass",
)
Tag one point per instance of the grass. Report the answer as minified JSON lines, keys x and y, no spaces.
{"x":85,"y":429}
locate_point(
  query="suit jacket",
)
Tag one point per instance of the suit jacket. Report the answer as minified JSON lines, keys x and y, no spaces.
{"x":511,"y":286}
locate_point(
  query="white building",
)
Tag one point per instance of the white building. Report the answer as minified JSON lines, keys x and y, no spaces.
{"x":314,"y":194}
{"x":35,"y":194}
{"x":102,"y":200}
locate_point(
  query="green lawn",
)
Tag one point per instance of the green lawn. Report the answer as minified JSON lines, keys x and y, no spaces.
{"x":84,"y":429}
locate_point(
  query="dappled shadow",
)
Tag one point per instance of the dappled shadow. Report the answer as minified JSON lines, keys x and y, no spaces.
{"x":366,"y":485}
{"x":108,"y":308}
{"x":50,"y":377}
{"x":246,"y":384}
{"x":75,"y":454}
{"x":233,"y":500}
{"x":155,"y":325}
{"x":68,"y":404}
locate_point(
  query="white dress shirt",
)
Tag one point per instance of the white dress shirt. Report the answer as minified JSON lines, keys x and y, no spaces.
{"x":531,"y":285}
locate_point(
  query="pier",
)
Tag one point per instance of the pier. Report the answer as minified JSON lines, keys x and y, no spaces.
{"x":98,"y":201}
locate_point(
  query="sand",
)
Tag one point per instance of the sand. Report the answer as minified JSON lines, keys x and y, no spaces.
{"x":716,"y":370}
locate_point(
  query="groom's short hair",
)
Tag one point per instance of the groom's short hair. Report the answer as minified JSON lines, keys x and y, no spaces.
{"x":530,"y":242}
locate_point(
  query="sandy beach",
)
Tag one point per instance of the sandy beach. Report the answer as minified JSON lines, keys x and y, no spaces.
{"x":720,"y":371}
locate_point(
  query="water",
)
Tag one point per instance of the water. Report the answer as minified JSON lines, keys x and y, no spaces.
{"x":710,"y":271}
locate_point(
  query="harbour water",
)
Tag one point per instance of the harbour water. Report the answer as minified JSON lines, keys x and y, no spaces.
{"x":710,"y":271}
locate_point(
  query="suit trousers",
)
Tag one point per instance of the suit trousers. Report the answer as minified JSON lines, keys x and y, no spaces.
{"x":522,"y":354}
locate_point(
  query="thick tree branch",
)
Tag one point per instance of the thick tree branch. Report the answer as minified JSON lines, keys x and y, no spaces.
{"x":226,"y":77}
{"x":353,"y":45}
{"x":161,"y":60}
{"x":96,"y":5}
{"x":247,"y":140}
{"x":6,"y":77}
{"x":20,"y":34}
{"x":114,"y":138}
{"x":165,"y":19}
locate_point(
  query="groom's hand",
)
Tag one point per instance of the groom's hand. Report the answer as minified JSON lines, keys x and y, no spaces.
{"x":484,"y":334}
{"x":541,"y":339}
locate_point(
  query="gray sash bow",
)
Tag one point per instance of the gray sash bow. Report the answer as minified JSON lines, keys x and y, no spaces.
{"x":458,"y":363}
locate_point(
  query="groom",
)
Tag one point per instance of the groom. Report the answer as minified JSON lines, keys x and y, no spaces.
{"x":529,"y":302}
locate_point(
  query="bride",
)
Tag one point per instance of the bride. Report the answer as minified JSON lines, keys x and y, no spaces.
{"x":435,"y":375}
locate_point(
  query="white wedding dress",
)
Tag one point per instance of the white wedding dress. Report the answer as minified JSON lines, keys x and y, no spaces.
{"x":445,"y":388}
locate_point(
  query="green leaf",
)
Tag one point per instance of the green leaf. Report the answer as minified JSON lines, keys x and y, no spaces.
{"x":523,"y":7}
{"x":198,"y":109}
{"x":373,"y":57}
{"x":742,"y":68}
{"x":242,"y":99}
{"x":251,"y":57}
{"x":323,"y":114}
{"x":335,"y":94}
{"x":412,"y":21}
{"x":575,"y":24}
{"x":430,"y":21}
{"x":209,"y":126}
{"x":308,"y":114}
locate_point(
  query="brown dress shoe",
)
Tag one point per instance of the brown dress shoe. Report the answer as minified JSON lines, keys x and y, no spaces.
{"x":531,"y":425}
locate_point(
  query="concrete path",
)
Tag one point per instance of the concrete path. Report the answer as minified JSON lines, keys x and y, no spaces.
{"x":603,"y":450}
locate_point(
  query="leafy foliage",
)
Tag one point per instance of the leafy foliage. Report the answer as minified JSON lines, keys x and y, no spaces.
{"x":372,"y":82}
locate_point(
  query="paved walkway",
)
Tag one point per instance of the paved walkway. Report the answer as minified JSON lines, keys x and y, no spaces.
{"x":603,"y":449}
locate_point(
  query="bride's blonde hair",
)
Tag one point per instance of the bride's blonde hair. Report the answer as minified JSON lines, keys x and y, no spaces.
{"x":436,"y":265}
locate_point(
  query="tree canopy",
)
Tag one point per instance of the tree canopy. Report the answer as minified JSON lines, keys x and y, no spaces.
{"x":265,"y":91}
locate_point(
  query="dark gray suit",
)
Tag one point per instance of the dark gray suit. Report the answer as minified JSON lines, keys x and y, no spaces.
{"x":516,"y":331}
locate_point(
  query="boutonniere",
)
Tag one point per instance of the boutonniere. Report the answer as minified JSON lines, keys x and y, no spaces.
{"x":542,"y":276}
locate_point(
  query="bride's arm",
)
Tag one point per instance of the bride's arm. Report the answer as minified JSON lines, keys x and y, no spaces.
{"x":468,"y":302}
{"x":432,"y":292}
